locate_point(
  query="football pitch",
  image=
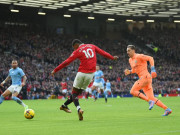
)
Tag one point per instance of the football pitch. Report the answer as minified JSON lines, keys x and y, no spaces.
{"x":123,"y":116}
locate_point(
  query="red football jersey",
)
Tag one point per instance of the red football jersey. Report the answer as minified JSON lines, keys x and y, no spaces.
{"x":64,"y":85}
{"x":86,"y":53}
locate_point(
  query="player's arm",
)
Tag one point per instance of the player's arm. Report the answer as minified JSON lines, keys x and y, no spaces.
{"x":127,"y":71}
{"x":5,"y":81}
{"x":24,"y":81}
{"x":105,"y":54}
{"x":65,"y":63}
{"x":102,"y":75}
{"x":147,"y":58}
{"x":21,"y":72}
{"x":151,"y":61}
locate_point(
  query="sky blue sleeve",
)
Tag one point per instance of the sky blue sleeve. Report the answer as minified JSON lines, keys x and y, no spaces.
{"x":102,"y":73}
{"x":21,"y":72}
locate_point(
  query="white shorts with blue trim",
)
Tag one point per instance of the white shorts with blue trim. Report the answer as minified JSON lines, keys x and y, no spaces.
{"x":99,"y":85}
{"x":15,"y":88}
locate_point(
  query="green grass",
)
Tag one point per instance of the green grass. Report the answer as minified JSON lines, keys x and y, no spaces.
{"x":124,"y":116}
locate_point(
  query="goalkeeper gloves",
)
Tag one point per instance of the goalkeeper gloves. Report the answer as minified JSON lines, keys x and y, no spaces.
{"x":153,"y":72}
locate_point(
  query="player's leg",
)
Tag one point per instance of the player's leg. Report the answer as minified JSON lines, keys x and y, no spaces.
{"x":149,"y":93}
{"x":76,"y":102}
{"x":94,"y":91}
{"x":135,"y":90}
{"x":15,"y":93}
{"x":106,"y":95}
{"x":87,"y":93}
{"x":64,"y":107}
{"x":75,"y":99}
{"x":70,"y":99}
{"x":81,"y":85}
{"x":94,"y":94}
{"x":101,"y":86}
{"x":19,"y":101}
{"x":5,"y":94}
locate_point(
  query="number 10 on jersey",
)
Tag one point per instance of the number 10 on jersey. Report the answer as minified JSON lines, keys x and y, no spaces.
{"x":88,"y":53}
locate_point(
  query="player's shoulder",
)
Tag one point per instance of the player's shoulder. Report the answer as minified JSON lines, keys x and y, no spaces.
{"x":139,"y":55}
{"x":88,"y":45}
{"x":20,"y":69}
{"x":101,"y":71}
{"x":10,"y":69}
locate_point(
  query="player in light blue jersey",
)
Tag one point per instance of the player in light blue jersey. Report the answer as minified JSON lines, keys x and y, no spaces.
{"x":97,"y":81}
{"x":103,"y":84}
{"x":16,"y":74}
{"x":108,"y":89}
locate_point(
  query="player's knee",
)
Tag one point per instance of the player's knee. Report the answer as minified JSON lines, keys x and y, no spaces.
{"x":132,"y":92}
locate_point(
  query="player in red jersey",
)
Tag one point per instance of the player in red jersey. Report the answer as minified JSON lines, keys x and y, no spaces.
{"x":86,"y":53}
{"x":64,"y":88}
{"x":89,"y":89}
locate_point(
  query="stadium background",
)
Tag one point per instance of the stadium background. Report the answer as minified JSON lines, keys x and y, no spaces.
{"x":40,"y":38}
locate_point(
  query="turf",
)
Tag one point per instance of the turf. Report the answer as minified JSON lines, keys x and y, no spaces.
{"x":123,"y":116}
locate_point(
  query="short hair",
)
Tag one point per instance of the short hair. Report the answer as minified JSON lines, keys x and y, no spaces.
{"x":132,"y":47}
{"x":14,"y":60}
{"x":76,"y":41}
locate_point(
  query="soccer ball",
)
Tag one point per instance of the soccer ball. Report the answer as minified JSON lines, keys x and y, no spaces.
{"x":29,"y":114}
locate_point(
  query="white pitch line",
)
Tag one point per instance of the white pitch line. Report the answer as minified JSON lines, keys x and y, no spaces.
{"x":175,"y":131}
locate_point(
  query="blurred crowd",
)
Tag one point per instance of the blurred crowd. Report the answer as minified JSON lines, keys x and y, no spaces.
{"x":38,"y":53}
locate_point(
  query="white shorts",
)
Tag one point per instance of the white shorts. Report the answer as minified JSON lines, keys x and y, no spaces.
{"x":89,"y":90}
{"x":15,"y":88}
{"x":64,"y":91}
{"x":82,"y":80}
{"x":99,"y":85}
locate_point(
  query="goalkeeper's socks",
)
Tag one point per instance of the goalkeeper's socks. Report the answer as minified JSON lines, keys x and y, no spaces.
{"x":1,"y":99}
{"x":19,"y":101}
{"x":160,"y":104}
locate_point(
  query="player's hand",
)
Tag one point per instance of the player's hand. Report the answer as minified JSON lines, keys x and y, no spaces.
{"x":52,"y":73}
{"x":127,"y":71}
{"x":116,"y":57}
{"x":23,"y":84}
{"x":153,"y":72}
{"x":2,"y":84}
